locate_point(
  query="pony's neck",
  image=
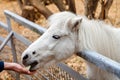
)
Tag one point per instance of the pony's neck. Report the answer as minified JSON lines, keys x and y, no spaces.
{"x":96,"y":36}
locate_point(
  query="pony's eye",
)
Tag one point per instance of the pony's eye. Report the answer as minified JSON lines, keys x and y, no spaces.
{"x":33,"y":52}
{"x":56,"y":36}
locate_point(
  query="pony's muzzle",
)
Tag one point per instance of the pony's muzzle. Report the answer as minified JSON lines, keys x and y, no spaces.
{"x":25,"y":59}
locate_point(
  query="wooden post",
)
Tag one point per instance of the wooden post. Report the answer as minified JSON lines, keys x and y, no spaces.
{"x":105,"y":9}
{"x":90,"y":8}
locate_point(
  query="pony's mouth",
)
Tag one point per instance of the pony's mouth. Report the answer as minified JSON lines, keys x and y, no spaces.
{"x":33,"y":65}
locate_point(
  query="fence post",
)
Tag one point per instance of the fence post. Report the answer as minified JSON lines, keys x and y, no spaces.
{"x":12,"y":45}
{"x":6,"y":41}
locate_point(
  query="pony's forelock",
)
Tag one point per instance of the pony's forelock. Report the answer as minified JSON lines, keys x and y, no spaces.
{"x":60,"y":17}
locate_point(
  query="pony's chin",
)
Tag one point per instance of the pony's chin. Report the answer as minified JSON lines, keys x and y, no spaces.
{"x":33,"y":66}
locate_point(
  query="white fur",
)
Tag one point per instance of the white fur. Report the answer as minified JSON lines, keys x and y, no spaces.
{"x":87,"y":35}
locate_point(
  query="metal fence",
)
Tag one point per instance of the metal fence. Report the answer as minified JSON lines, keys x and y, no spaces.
{"x":59,"y":71}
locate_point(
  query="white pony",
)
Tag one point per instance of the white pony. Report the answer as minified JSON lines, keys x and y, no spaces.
{"x":68,"y":34}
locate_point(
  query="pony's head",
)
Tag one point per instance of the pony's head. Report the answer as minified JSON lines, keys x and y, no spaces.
{"x":57,"y":43}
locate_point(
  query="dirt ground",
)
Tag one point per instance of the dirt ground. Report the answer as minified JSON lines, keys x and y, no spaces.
{"x":75,"y":62}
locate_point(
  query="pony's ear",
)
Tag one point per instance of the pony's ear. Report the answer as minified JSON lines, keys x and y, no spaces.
{"x":74,"y":23}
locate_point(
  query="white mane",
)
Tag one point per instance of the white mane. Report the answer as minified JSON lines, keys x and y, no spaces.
{"x":98,"y":36}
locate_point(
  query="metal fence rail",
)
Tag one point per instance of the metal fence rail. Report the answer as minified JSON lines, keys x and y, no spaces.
{"x":24,"y":22}
{"x":101,"y":61}
{"x":93,"y":57}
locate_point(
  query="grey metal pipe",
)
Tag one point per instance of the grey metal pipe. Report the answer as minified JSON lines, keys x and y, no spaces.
{"x":6,"y":40}
{"x":3,"y":26}
{"x":101,"y":61}
{"x":35,"y":27}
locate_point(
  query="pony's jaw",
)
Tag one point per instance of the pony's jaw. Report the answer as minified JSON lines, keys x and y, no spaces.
{"x":32,"y":63}
{"x":41,"y":59}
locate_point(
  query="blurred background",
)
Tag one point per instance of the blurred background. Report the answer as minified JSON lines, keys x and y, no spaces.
{"x":38,"y":11}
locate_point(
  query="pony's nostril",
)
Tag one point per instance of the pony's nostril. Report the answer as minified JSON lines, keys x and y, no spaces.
{"x":25,"y":57}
